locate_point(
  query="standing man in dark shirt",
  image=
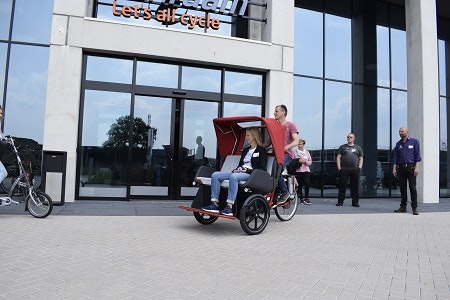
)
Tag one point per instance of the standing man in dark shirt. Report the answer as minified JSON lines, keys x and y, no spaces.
{"x":406,"y":164}
{"x":349,"y":162}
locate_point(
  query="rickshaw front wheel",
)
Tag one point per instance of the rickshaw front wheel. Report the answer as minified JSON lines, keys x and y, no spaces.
{"x":204,"y":218}
{"x":254,"y":214}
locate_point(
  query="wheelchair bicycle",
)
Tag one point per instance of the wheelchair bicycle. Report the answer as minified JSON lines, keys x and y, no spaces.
{"x":259,"y":193}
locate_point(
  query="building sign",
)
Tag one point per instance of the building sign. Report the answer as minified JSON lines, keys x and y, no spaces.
{"x":166,"y":12}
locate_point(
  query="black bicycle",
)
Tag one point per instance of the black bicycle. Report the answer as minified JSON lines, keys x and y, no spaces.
{"x":37,"y":203}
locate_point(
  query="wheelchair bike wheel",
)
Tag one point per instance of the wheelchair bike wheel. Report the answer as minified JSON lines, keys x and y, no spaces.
{"x":286,"y":211}
{"x":205,"y":219}
{"x":40,"y":206}
{"x":254,"y":214}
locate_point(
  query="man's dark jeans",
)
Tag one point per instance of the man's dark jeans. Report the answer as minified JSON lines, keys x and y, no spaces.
{"x":344,"y":175}
{"x":406,"y":174}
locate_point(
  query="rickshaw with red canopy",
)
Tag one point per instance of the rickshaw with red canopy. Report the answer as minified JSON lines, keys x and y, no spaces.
{"x":259,"y":193}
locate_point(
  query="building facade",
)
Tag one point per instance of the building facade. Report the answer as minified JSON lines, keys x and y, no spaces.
{"x":128,"y":89}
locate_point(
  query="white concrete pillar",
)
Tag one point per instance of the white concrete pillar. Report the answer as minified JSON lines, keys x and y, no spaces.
{"x":63,"y":96}
{"x":423,"y":92}
{"x":279,"y":31}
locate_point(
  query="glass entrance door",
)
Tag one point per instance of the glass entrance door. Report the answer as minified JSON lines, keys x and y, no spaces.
{"x":172,"y":138}
{"x":198,"y":142}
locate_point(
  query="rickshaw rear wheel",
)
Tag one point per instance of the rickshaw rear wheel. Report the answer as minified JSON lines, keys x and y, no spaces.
{"x":254,"y":214}
{"x":286,"y":211}
{"x":204,"y":218}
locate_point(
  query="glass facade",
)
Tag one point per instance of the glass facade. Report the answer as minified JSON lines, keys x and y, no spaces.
{"x":24,"y":55}
{"x":338,"y":86}
{"x":148,"y":139}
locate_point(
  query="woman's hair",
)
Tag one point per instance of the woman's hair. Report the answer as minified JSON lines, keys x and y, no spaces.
{"x":256,"y":134}
{"x":301,"y":141}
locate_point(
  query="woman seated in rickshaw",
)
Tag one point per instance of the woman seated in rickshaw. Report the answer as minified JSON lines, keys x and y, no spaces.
{"x":253,"y":157}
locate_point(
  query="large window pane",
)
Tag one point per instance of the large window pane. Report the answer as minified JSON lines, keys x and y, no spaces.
{"x":307,"y":115}
{"x":5,"y":18}
{"x":27,"y":85}
{"x":338,"y":48}
{"x":307,"y":111}
{"x":243,"y":84}
{"x":337,"y":113}
{"x":443,"y":69}
{"x":3,"y":48}
{"x":200,"y":79}
{"x":384,"y":169}
{"x":150,"y":159}
{"x":337,"y":126}
{"x":32,"y":21}
{"x":398,"y":48}
{"x":399,"y":114}
{"x":109,"y":69}
{"x":155,"y":74}
{"x":443,"y":147}
{"x":383,"y":56}
{"x":232,"y":109}
{"x":199,"y":142}
{"x":308,"y":42}
{"x":104,"y":168}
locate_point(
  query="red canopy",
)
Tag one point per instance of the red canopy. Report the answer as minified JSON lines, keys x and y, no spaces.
{"x":230,"y":134}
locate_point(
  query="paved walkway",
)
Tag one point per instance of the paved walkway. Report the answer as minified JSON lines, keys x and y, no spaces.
{"x":153,"y":250}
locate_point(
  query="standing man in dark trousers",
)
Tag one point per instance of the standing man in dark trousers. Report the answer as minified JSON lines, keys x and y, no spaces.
{"x":349,"y":162}
{"x":406,"y":164}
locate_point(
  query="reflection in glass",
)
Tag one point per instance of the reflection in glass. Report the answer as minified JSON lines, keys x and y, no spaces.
{"x":399,"y":113}
{"x":25,"y":98}
{"x":199,"y":142}
{"x":105,"y":12}
{"x":338,"y":51}
{"x":5,"y":18}
{"x":443,"y":149}
{"x":383,"y":56}
{"x":103,"y":167}
{"x":243,"y":84}
{"x":150,"y":171}
{"x":32,"y":21}
{"x":3,"y":48}
{"x":399,"y":119}
{"x":308,"y":42}
{"x":109,"y":69}
{"x":307,"y":115}
{"x":156,"y":74}
{"x":384,"y":167}
{"x":232,"y":109}
{"x":337,"y":126}
{"x":443,"y":69}
{"x":337,"y":113}
{"x":206,"y":80}
{"x":398,"y":59}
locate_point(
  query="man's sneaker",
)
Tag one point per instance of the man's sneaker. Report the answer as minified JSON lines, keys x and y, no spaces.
{"x":400,"y":210}
{"x":282,"y":200}
{"x":415,"y":212}
{"x":227,"y":211}
{"x":306,"y":201}
{"x":302,"y":201}
{"x":211,"y":208}
{"x":339,"y":204}
{"x":355,"y":204}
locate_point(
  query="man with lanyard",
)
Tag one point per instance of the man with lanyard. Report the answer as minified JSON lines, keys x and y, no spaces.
{"x":349,"y":163}
{"x":406,"y":164}
{"x":291,"y":141}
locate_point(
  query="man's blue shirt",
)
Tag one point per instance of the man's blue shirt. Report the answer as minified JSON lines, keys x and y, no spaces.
{"x":407,"y":152}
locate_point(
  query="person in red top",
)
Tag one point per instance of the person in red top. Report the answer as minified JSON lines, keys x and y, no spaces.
{"x":291,"y":141}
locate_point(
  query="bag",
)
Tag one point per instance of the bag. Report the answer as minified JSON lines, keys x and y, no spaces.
{"x":293,"y":166}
